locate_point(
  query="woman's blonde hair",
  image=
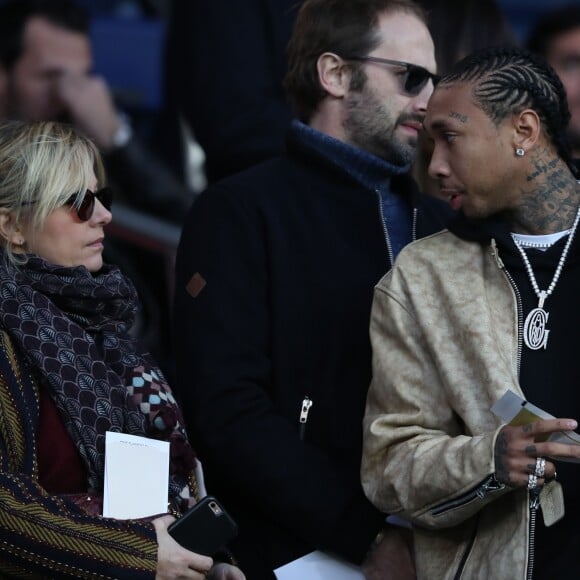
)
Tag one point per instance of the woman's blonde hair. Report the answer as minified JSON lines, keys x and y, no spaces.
{"x":42,"y":164}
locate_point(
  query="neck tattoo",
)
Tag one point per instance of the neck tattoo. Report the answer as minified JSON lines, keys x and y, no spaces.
{"x":535,"y":331}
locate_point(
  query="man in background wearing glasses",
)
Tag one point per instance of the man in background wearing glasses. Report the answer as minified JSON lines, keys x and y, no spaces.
{"x":45,"y":74}
{"x":275,"y":275}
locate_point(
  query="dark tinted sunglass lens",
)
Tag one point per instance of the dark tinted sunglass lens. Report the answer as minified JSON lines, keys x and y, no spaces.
{"x":416,"y":80}
{"x":105,"y":196}
{"x":85,"y":210}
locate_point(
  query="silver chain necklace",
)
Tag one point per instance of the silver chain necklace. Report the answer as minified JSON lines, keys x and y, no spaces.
{"x":525,"y":243}
{"x":535,"y":331}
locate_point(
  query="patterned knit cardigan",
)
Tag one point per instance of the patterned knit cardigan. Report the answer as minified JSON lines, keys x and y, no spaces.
{"x":43,"y":536}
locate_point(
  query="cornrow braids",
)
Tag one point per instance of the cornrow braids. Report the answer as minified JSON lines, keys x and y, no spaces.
{"x":508,"y":80}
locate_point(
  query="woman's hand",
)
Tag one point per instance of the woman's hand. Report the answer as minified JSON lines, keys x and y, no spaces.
{"x":516,"y":451}
{"x":224,"y":571}
{"x":175,"y":562}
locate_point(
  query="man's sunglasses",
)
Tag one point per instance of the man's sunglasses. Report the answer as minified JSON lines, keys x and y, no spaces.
{"x":86,"y":207}
{"x":413,"y":80}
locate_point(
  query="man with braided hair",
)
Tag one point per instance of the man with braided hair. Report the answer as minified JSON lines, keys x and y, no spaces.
{"x":468,"y":313}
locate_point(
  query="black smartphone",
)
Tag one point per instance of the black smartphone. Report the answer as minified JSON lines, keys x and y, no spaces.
{"x":204,"y":528}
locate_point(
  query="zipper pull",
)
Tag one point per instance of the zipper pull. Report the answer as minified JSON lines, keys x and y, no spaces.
{"x":482,"y":490}
{"x":490,"y":484}
{"x":495,"y":254}
{"x":305,"y":409}
{"x":535,"y":499}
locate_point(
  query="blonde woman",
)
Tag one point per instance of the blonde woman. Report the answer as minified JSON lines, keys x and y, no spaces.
{"x":70,"y":371}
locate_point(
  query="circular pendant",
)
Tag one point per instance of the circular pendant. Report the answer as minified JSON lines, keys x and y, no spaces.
{"x":535,"y":331}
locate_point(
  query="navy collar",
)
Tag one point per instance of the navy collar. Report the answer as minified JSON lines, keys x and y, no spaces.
{"x":367,"y":169}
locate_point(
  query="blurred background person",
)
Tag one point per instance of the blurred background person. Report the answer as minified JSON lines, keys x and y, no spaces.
{"x":70,"y":371}
{"x":45,"y":74}
{"x":556,"y":36}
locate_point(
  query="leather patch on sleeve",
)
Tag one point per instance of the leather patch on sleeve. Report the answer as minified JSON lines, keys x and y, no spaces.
{"x":196,"y":285}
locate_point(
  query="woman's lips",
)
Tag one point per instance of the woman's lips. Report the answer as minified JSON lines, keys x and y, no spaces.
{"x":97,"y":243}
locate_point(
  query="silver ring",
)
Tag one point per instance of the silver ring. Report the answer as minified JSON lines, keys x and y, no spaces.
{"x":532,"y":481}
{"x":540,"y":467}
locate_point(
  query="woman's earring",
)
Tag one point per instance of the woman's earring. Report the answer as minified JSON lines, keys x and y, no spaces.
{"x":520,"y":152}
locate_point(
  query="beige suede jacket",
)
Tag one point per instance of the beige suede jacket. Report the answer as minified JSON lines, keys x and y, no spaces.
{"x":444,"y":331}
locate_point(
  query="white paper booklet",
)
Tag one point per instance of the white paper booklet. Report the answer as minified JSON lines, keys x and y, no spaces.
{"x":136,"y":476}
{"x":514,"y":410}
{"x":319,"y":566}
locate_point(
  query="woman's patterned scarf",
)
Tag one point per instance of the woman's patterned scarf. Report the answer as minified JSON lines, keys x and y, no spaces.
{"x":73,"y":328}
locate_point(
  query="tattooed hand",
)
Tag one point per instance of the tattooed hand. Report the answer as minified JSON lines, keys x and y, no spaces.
{"x":517,"y":448}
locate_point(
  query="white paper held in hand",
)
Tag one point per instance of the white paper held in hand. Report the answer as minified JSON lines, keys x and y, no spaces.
{"x":514,"y":410}
{"x":319,"y":566}
{"x":136,"y":476}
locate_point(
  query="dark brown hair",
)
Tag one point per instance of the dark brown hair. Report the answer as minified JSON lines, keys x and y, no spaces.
{"x":15,"y":14}
{"x":344,"y":27}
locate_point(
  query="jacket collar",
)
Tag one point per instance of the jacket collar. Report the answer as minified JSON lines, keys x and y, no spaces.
{"x":498,"y":227}
{"x":317,"y":148}
{"x":367,"y":169}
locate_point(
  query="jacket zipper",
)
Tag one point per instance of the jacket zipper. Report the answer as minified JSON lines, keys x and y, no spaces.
{"x":386,"y":231}
{"x":488,"y":485}
{"x":534,"y":504}
{"x":501,"y":266}
{"x":534,"y":495}
{"x":304,"y":410}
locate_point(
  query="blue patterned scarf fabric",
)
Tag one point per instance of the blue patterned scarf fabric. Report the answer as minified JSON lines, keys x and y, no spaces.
{"x":72,"y":327}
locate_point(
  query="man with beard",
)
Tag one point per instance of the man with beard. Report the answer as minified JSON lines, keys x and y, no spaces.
{"x":275,"y":275}
{"x":557,"y":38}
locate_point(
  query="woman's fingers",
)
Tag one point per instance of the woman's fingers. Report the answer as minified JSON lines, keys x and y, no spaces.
{"x":175,"y":562}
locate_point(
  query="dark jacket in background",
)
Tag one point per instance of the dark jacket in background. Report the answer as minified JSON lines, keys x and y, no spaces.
{"x":224,"y":65}
{"x":146,"y":183}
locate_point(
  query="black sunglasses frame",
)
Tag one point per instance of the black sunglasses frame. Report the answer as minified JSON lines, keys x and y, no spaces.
{"x":415,"y":78}
{"x":86,"y":207}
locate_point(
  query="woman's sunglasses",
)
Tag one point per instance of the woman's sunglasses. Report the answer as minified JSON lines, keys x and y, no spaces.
{"x":86,"y":207}
{"x":413,"y":80}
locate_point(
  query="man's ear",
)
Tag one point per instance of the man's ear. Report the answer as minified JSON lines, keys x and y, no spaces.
{"x":334,"y":74}
{"x":10,"y":230}
{"x":527,"y":129}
